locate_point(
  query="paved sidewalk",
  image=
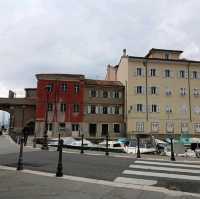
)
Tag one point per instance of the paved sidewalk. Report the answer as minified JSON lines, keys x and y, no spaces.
{"x":20,"y":185}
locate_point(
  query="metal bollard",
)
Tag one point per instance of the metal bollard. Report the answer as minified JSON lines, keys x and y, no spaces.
{"x":20,"y":159}
{"x":107,"y":150}
{"x":59,"y":172}
{"x":138,"y":147}
{"x":58,"y":142}
{"x":172,"y":150}
{"x":82,"y":147}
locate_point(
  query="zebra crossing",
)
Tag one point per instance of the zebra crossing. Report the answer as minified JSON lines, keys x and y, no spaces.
{"x":161,"y":173}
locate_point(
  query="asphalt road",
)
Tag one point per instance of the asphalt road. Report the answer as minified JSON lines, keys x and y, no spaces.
{"x":176,"y":176}
{"x":111,"y":168}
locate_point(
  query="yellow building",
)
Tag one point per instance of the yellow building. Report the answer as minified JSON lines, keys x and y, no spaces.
{"x":162,"y":93}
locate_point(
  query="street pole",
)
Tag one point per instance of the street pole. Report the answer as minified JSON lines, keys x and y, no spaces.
{"x":20,"y":159}
{"x":58,"y":142}
{"x":107,"y":151}
{"x":59,"y":172}
{"x":82,"y":150}
{"x":138,"y":147}
{"x":172,"y":150}
{"x":45,"y":137}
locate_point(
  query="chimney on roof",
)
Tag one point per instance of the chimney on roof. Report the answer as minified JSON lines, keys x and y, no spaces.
{"x":124,"y":52}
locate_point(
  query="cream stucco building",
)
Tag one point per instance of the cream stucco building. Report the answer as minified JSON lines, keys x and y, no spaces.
{"x":162,"y":93}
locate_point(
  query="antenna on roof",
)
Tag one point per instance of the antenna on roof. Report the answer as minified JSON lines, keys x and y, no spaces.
{"x":124,"y":52}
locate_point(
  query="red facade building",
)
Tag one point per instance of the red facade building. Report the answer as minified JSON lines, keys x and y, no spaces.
{"x":59,"y":102}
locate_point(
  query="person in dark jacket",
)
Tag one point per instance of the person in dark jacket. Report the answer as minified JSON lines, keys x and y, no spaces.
{"x":26,"y":134}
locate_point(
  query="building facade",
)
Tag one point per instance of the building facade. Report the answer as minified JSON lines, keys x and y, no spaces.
{"x":72,"y":105}
{"x":162,"y":93}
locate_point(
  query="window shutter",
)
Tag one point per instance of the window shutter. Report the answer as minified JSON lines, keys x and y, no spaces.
{"x":149,"y":90}
{"x":186,"y":74}
{"x":143,"y":72}
{"x":143,"y":89}
{"x":157,"y":90}
{"x":120,"y":94}
{"x":135,"y":72}
{"x":101,"y":109}
{"x":143,"y":108}
{"x":120,"y":110}
{"x":97,"y":93}
{"x":90,"y":93}
{"x":149,"y":72}
{"x":157,"y":73}
{"x":158,"y":109}
{"x":171,"y":73}
{"x":97,"y":109}
{"x":89,"y":108}
{"x":178,"y":74}
{"x":150,"y":108}
{"x":163,"y":73}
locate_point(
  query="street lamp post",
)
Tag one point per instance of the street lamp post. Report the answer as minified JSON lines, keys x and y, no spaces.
{"x":82,"y":150}
{"x":107,"y":150}
{"x":172,"y":150}
{"x":138,"y":147}
{"x":45,"y":136}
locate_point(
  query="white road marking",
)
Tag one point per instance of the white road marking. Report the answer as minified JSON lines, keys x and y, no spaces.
{"x":106,"y":183}
{"x":163,"y":175}
{"x":168,"y":164}
{"x":135,"y":181}
{"x":148,"y":167}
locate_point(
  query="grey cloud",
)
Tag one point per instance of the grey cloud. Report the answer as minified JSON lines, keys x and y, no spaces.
{"x":75,"y":36}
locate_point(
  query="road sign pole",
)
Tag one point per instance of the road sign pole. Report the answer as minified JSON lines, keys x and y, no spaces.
{"x":59,"y":172}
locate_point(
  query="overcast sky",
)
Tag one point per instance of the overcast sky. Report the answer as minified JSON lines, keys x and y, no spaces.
{"x":83,"y":36}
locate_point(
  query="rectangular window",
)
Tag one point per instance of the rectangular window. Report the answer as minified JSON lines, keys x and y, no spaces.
{"x":116,"y":128}
{"x":50,"y":126}
{"x":116,"y":110}
{"x":155,"y":126}
{"x":153,"y":90}
{"x":153,"y":72}
{"x":63,"y":107}
{"x":116,"y":94}
{"x":168,"y":109}
{"x":182,"y":74}
{"x":194,"y":75}
{"x":182,"y":91}
{"x":76,"y":88}
{"x":168,"y":92}
{"x":50,"y":107}
{"x":169,"y":126}
{"x":76,"y":108}
{"x":93,"y":93}
{"x":64,"y":87}
{"x":167,"y":73}
{"x":105,"y":110}
{"x":93,"y":109}
{"x":139,"y":71}
{"x":49,"y":87}
{"x":196,"y":92}
{"x":75,"y":127}
{"x":105,"y":94}
{"x":197,"y":127}
{"x":184,"y":127}
{"x":139,"y":89}
{"x":139,"y":107}
{"x":140,"y":126}
{"x":154,"y":108}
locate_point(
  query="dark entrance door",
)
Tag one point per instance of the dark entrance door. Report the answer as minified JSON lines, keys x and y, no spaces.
{"x":104,"y":129}
{"x":93,"y":130}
